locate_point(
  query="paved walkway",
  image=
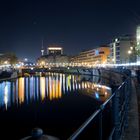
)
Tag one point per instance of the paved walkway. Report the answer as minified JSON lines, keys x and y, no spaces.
{"x":132,"y":131}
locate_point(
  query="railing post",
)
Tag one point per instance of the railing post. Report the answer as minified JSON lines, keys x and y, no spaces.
{"x":127,"y":97}
{"x":126,"y":90}
{"x":116,"y":117}
{"x":100,"y":126}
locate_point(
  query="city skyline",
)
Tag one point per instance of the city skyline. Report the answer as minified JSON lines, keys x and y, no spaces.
{"x":76,"y":25}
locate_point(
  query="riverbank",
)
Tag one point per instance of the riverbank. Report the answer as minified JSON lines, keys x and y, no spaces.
{"x":9,"y":76}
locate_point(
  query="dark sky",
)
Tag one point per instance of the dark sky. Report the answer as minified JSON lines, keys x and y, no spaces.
{"x":75,"y":24}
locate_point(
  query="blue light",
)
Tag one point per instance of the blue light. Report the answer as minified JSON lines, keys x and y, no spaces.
{"x":96,"y":52}
{"x":97,"y":95}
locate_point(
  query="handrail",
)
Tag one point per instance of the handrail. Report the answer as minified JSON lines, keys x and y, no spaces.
{"x":108,"y":100}
{"x":84,"y":125}
{"x":91,"y":118}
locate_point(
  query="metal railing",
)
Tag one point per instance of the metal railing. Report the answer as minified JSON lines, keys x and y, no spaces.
{"x":119,"y":103}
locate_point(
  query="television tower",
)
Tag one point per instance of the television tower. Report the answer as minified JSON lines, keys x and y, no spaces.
{"x":42,"y":49}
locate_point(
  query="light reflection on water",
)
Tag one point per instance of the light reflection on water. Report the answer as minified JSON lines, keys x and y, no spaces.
{"x":53,"y":86}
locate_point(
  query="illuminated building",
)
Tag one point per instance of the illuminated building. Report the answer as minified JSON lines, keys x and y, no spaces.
{"x":94,"y":56}
{"x":138,"y":37}
{"x":8,"y":58}
{"x":54,"y":50}
{"x":54,"y":57}
{"x":120,"y":48}
{"x":138,"y":40}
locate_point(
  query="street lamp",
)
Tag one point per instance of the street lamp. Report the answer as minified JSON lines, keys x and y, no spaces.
{"x":42,"y":63}
{"x":129,"y":51}
{"x":113,"y":60}
{"x":5,"y":62}
{"x":25,"y":59}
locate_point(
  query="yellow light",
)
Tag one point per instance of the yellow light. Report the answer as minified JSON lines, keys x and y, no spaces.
{"x":42,"y":87}
{"x":105,"y":93}
{"x":5,"y":62}
{"x":42,"y":63}
{"x":129,"y":52}
{"x":59,"y":87}
{"x":53,"y":88}
{"x":21,"y":90}
{"x":51,"y":48}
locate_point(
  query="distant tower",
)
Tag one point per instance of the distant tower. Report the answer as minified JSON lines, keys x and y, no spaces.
{"x":42,"y":49}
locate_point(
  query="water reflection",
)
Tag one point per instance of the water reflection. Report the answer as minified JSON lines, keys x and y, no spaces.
{"x":52,"y":87}
{"x":6,"y":95}
{"x":42,"y":87}
{"x":21,"y":90}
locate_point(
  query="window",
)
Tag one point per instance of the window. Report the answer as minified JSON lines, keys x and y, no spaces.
{"x":118,"y":57}
{"x":101,"y":52}
{"x":117,"y":44}
{"x":118,"y":48}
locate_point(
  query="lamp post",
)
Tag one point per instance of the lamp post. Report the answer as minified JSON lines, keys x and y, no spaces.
{"x":5,"y":62}
{"x":129,"y":55}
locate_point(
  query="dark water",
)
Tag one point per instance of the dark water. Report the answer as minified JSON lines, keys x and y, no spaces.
{"x":57,"y":103}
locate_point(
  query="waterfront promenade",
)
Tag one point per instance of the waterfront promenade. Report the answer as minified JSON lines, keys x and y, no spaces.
{"x":132,"y":131}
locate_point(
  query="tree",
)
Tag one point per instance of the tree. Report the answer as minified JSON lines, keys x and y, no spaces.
{"x":11,"y":58}
{"x":138,"y":52}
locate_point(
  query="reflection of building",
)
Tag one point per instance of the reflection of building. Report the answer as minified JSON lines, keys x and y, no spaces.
{"x":95,"y":56}
{"x":121,"y":48}
{"x":54,"y":57}
{"x":53,"y":86}
{"x":42,"y":87}
{"x":21,"y":89}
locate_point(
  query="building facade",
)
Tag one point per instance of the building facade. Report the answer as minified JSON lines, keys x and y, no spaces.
{"x":138,"y":37}
{"x":92,"y":57}
{"x":54,"y":50}
{"x":54,"y":57}
{"x":122,"y":49}
{"x":138,"y":42}
{"x":8,"y":58}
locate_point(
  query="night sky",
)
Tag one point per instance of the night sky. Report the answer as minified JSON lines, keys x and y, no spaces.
{"x":75,"y":24}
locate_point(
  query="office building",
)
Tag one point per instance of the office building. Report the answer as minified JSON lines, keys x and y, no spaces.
{"x":54,"y":50}
{"x":92,"y":57}
{"x":122,"y":49}
{"x":138,"y":41}
{"x":54,"y":57}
